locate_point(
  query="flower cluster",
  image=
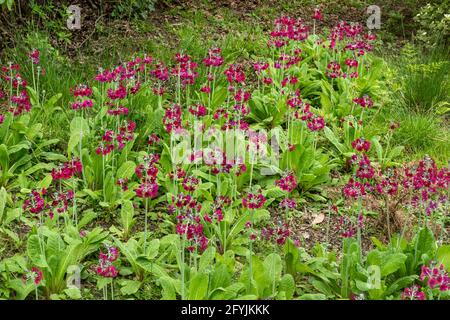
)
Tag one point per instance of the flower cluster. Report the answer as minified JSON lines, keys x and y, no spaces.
{"x":287,"y":182}
{"x":35,"y":274}
{"x":278,"y":233}
{"x":365,"y":101}
{"x":436,"y":277}
{"x":147,"y":171}
{"x":413,"y":293}
{"x":347,"y":227}
{"x":82,"y":94}
{"x":172,"y":118}
{"x":361,"y":145}
{"x":218,"y":208}
{"x":287,"y":29}
{"x":105,"y":267}
{"x":185,"y":69}
{"x":35,"y":202}
{"x":112,"y":140}
{"x":67,"y":170}
{"x":253,"y":200}
{"x":214,"y":58}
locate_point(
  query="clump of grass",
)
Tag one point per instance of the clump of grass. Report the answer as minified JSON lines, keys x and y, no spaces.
{"x":423,"y":134}
{"x":423,"y":78}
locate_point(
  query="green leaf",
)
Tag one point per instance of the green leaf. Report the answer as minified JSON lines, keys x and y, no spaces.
{"x":273,"y":268}
{"x":392,"y":262}
{"x":126,"y":170}
{"x":34,"y":251}
{"x":153,"y":249}
{"x":168,"y":288}
{"x":88,"y":216}
{"x":4,"y":158}
{"x":74,"y":140}
{"x":220,"y":277}
{"x":400,"y":284}
{"x":198,"y":287}
{"x":207,"y":259}
{"x":443,"y":256}
{"x":127,"y":216}
{"x":73,"y":293}
{"x":287,"y":285}
{"x":130,"y":287}
{"x":425,"y":243}
{"x":3,"y":195}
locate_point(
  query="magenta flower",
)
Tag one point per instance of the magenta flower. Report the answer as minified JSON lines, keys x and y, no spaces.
{"x":35,"y":274}
{"x":361,"y":145}
{"x":147,"y":189}
{"x":34,"y":56}
{"x":287,"y":182}
{"x":253,"y":200}
{"x":317,"y":14}
{"x":214,"y":58}
{"x":413,"y":293}
{"x":364,"y":101}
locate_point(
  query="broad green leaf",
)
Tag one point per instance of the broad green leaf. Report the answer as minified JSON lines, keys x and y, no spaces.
{"x":198,"y":287}
{"x":207,"y":259}
{"x":130,"y":287}
{"x":126,"y":170}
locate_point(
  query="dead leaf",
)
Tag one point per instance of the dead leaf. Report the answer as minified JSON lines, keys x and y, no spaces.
{"x":318,"y":219}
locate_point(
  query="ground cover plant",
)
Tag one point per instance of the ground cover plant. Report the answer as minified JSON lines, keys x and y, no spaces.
{"x":311,"y":167}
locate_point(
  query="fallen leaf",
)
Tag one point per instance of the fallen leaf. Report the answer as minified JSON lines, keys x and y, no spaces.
{"x":318,"y":219}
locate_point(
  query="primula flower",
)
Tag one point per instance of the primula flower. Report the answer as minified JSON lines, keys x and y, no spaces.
{"x":34,"y":56}
{"x":436,"y":277}
{"x":35,"y":203}
{"x":205,"y":89}
{"x":253,"y":200}
{"x":153,"y":139}
{"x":365,"y":169}
{"x":20,"y":103}
{"x":214,"y":58}
{"x":122,"y":183}
{"x":105,"y":268}
{"x":278,"y":234}
{"x":361,"y":145}
{"x":364,"y":101}
{"x":317,"y":14}
{"x":354,"y":189}
{"x":351,"y":63}
{"x":190,"y":183}
{"x":287,"y":182}
{"x":35,"y":274}
{"x":198,"y":111}
{"x":316,"y":123}
{"x":413,"y":293}
{"x":287,"y":29}
{"x":235,"y":74}
{"x":81,"y":90}
{"x":288,"y":204}
{"x":333,"y":70}
{"x":172,"y":118}
{"x":67,"y":170}
{"x":147,"y":189}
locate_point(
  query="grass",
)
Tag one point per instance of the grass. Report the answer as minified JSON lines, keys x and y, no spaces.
{"x":423,"y":134}
{"x":423,"y":75}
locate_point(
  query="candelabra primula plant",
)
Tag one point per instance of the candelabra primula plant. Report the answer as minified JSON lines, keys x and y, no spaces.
{"x":189,"y":177}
